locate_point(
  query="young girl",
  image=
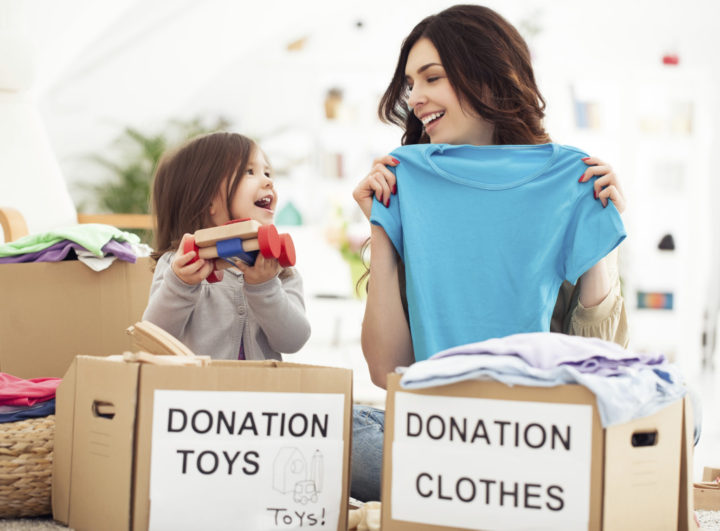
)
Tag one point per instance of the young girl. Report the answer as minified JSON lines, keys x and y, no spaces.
{"x":464,"y":81}
{"x":253,"y":312}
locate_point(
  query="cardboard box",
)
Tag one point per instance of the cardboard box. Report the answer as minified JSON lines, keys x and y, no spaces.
{"x":710,"y":473}
{"x":706,"y":498}
{"x":232,"y":445}
{"x":483,"y":455}
{"x":707,"y":493}
{"x":53,"y":311}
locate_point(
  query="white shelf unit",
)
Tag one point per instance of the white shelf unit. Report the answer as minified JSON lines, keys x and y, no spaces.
{"x":655,"y":127}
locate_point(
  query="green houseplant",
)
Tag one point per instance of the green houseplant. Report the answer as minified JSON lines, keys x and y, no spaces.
{"x":131,"y":162}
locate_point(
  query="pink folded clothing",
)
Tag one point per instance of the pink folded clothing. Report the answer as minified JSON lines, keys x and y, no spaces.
{"x":16,"y":391}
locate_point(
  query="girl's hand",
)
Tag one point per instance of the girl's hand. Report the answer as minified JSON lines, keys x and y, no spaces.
{"x":191,"y":273}
{"x":380,"y":182}
{"x":606,"y":186}
{"x":263,"y":270}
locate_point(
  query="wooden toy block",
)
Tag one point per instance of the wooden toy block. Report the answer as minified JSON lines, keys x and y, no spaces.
{"x":154,"y":339}
{"x":154,"y":359}
{"x":240,"y":240}
{"x":243,"y":229}
{"x":212,"y":251}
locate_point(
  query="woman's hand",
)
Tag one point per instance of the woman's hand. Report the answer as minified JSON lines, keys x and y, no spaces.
{"x":380,"y":182}
{"x":263,"y":270}
{"x":195,"y":272}
{"x":607,"y":186}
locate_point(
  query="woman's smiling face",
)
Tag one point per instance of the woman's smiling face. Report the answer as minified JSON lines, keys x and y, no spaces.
{"x":435,"y":103}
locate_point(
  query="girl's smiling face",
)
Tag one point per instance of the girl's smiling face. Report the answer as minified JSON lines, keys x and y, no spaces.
{"x":435,"y":103}
{"x":254,"y":197}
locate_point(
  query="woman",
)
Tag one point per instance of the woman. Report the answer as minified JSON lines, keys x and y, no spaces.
{"x":463,"y":78}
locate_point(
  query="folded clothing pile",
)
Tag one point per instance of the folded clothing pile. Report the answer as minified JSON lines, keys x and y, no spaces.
{"x":22,"y":399}
{"x":27,"y":430}
{"x":627,"y":385}
{"x":95,"y":244}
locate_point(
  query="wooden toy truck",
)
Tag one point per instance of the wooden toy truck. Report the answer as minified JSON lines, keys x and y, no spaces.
{"x":240,"y":239}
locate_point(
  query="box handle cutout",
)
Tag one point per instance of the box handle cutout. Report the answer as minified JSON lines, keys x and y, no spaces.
{"x":644,"y":438}
{"x":104,"y":410}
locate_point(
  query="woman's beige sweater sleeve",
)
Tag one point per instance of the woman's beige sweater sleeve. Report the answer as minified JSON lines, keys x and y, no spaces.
{"x":607,"y":320}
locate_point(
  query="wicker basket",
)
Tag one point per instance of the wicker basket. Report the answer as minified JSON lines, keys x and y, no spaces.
{"x":26,"y":454}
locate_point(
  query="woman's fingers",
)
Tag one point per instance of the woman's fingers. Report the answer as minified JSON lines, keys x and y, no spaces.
{"x":612,"y":193}
{"x":594,"y":171}
{"x":607,"y":185}
{"x":380,"y":183}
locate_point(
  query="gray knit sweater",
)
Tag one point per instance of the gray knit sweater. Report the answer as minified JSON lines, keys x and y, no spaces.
{"x":211,"y":319}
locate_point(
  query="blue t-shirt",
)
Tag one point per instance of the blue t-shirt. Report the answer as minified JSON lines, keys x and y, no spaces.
{"x":487,"y":235}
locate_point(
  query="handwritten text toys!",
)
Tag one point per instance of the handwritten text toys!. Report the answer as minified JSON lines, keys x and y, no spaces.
{"x":241,"y":239}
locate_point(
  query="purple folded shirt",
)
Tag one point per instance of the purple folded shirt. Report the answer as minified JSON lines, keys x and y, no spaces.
{"x":60,"y":251}
{"x":546,"y":350}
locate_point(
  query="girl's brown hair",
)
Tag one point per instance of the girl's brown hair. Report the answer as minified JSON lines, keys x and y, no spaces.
{"x":189,"y":178}
{"x":488,"y":65}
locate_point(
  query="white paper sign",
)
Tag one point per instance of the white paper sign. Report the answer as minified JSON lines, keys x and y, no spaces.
{"x":246,"y":460}
{"x":491,"y":464}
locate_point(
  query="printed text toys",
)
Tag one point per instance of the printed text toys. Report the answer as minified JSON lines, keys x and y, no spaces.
{"x":241,"y":239}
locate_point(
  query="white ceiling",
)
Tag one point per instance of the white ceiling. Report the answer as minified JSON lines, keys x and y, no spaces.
{"x":102,"y":65}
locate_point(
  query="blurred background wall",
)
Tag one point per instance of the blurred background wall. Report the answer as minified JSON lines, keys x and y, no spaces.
{"x":91,"y":91}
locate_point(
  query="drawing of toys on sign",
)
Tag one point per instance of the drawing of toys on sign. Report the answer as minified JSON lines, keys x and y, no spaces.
{"x":292,"y":474}
{"x":240,"y":239}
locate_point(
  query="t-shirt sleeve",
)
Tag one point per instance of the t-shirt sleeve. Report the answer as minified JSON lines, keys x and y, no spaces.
{"x":389,"y":219}
{"x":592,"y":233}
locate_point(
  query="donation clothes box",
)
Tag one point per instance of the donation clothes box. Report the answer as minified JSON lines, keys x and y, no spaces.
{"x":53,"y":311}
{"x":232,"y":445}
{"x":483,"y":455}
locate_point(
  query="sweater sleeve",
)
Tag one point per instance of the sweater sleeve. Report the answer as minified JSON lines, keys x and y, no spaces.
{"x":607,"y":320}
{"x":279,"y":308}
{"x":171,"y":301}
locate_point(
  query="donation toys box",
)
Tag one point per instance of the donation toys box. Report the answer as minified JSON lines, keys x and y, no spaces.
{"x":53,"y":311}
{"x":483,"y":455}
{"x":229,"y":445}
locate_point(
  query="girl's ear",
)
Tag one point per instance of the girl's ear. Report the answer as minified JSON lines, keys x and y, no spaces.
{"x":215,"y":211}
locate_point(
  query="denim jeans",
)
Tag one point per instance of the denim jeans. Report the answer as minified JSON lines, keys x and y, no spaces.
{"x":367,"y":451}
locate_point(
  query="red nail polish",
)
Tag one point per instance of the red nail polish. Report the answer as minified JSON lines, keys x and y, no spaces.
{"x":585,"y":158}
{"x":396,"y":161}
{"x":387,"y":203}
{"x":394,"y":191}
{"x":594,"y":194}
{"x":581,"y":178}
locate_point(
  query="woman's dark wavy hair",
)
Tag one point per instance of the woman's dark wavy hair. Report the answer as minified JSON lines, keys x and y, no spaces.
{"x":187,"y":180}
{"x":488,"y":64}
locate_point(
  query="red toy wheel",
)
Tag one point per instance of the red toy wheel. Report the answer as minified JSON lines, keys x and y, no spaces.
{"x":191,"y":246}
{"x":287,"y":252}
{"x":269,"y":241}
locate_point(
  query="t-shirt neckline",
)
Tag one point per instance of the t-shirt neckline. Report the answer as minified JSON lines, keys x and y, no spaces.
{"x":433,"y":149}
